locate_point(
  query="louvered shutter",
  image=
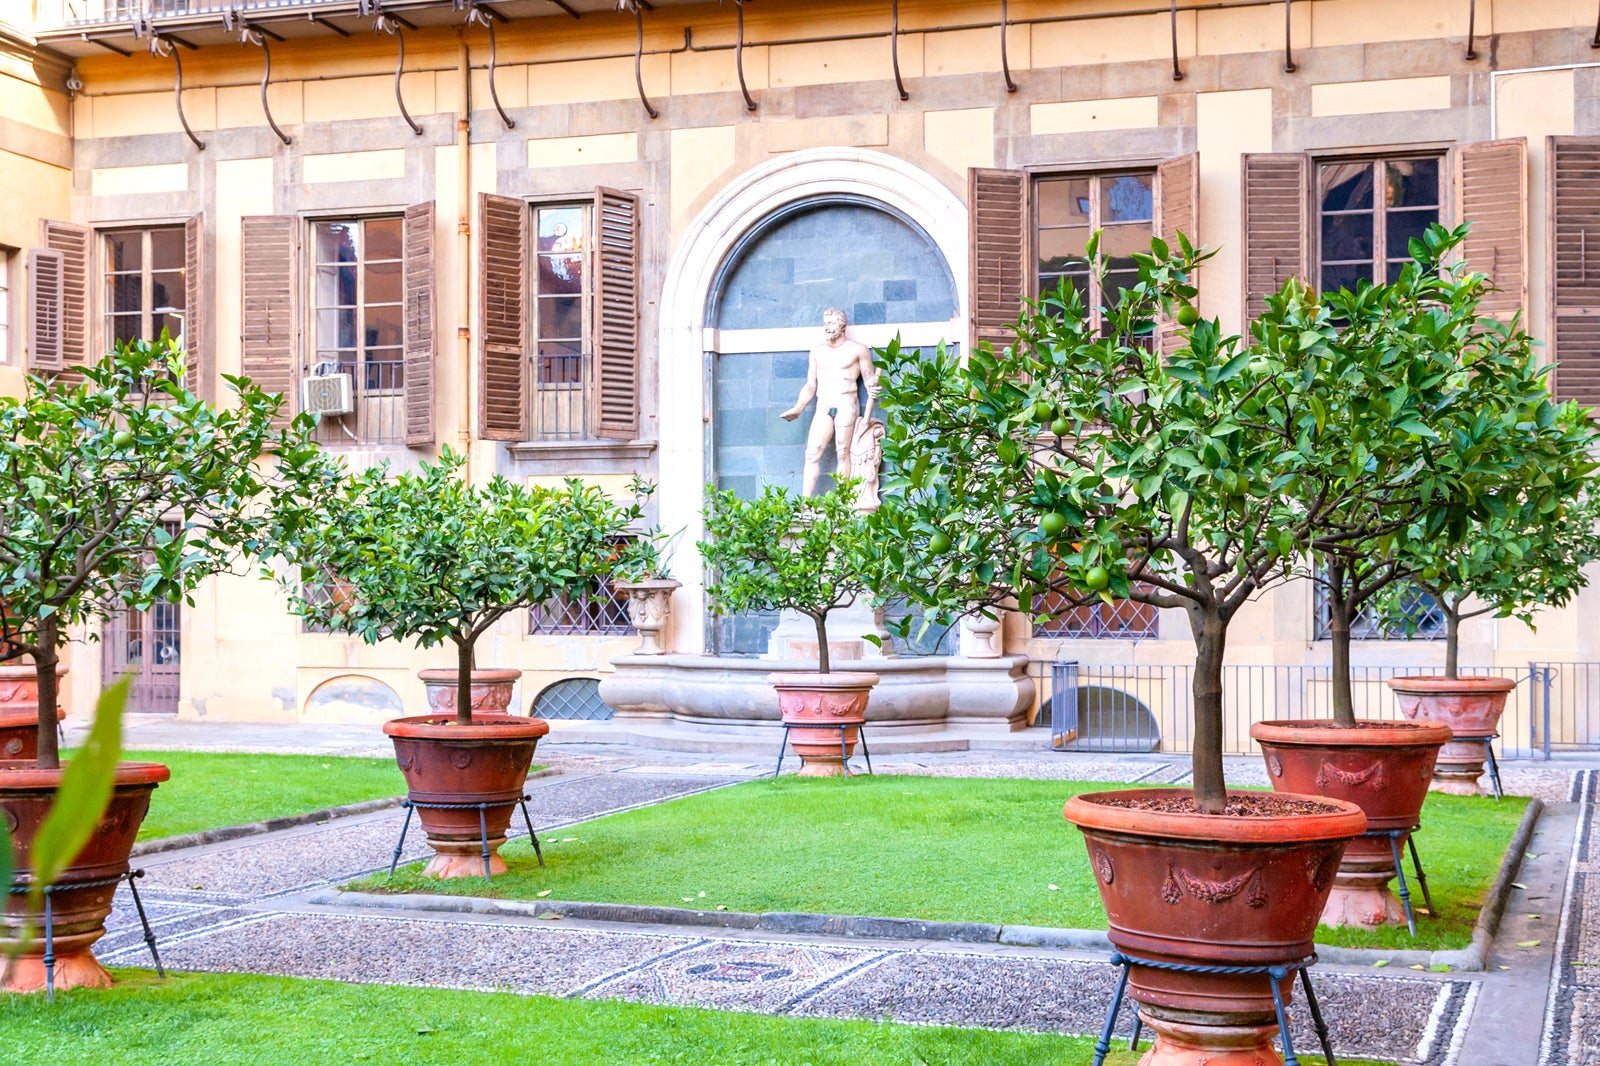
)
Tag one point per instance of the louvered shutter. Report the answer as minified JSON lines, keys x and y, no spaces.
{"x":1177,"y":211}
{"x":997,"y":213}
{"x":1276,"y":224}
{"x":73,"y":242}
{"x":1573,"y":213}
{"x":1492,"y":194}
{"x":196,"y":358}
{"x":502,"y":327}
{"x":269,"y":247}
{"x":419,"y":337}
{"x":45,"y":299}
{"x":614,"y":410}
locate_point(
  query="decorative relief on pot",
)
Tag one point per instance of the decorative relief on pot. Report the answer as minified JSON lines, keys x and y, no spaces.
{"x":1321,"y":871}
{"x":460,"y":759}
{"x":1275,"y":764}
{"x":10,"y":818}
{"x":1182,"y":882}
{"x":1332,"y":775}
{"x":403,"y":761}
{"x":1102,"y":866}
{"x":14,"y":746}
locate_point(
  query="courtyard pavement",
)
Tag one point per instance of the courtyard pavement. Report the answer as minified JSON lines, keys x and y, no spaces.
{"x":246,"y":905}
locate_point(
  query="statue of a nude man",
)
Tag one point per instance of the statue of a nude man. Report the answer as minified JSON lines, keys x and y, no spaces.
{"x":835,"y":367}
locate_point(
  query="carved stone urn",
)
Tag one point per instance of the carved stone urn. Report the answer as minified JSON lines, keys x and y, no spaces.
{"x":650,"y":611}
{"x":19,"y":711}
{"x":1383,"y":768}
{"x":1471,"y":707}
{"x":1212,"y":890}
{"x":491,"y":690}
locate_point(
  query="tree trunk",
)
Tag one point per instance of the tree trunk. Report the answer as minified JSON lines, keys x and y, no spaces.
{"x":464,"y":660}
{"x":1452,"y":636}
{"x":44,"y":664}
{"x":1339,"y":612}
{"x":1210,"y":638}
{"x":821,"y":622}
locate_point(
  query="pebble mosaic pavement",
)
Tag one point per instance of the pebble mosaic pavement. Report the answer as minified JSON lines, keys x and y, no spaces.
{"x":241,"y":906}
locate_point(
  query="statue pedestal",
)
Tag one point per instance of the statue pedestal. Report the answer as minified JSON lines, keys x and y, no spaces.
{"x":848,"y":628}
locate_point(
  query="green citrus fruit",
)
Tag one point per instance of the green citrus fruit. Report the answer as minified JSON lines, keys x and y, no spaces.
{"x":1061,"y":427}
{"x":1188,"y":316}
{"x":1043,"y":411}
{"x":1053,"y":525}
{"x":939,"y":543}
{"x":1097,"y":578}
{"x":121,"y":438}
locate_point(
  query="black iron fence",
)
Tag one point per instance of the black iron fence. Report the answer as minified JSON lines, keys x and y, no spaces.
{"x":1118,"y":707}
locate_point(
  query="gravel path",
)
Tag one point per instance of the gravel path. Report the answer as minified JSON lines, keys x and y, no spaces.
{"x":1572,"y":1030}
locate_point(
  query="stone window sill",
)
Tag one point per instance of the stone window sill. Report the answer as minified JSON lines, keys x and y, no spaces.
{"x":580,"y":450}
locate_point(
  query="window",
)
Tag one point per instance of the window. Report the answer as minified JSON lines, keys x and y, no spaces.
{"x":1121,"y":620}
{"x":594,"y":612}
{"x":1417,"y":605}
{"x":1369,"y":211}
{"x":145,"y":283}
{"x":1068,"y":209}
{"x":562,"y":291}
{"x":8,"y":260}
{"x":358,"y":322}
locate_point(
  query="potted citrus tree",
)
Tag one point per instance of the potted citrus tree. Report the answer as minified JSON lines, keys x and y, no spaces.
{"x":429,"y":557}
{"x":782,"y":551}
{"x":124,"y":489}
{"x":1084,"y":461}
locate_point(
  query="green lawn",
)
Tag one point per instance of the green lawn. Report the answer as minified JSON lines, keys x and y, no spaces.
{"x":956,"y":849}
{"x":239,"y":1020}
{"x":210,"y":790}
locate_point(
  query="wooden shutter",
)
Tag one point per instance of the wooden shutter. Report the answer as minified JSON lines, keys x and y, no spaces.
{"x":73,"y":242}
{"x":269,"y":246}
{"x":45,"y":298}
{"x":1177,"y":211}
{"x":502,"y":327}
{"x":1572,"y":212}
{"x":196,"y":361}
{"x":614,"y":403}
{"x":997,"y":213}
{"x":419,"y":337}
{"x":1276,"y":224}
{"x":1491,"y":182}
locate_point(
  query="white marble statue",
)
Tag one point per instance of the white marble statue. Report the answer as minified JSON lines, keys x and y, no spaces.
{"x":835,"y":366}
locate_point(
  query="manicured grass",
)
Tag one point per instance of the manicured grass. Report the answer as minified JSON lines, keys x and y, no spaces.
{"x":210,"y":790}
{"x":954,"y":849}
{"x":238,"y":1020}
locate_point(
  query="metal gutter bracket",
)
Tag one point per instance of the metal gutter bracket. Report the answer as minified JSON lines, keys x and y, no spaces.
{"x":894,"y":48}
{"x":249,"y":35}
{"x":482,"y":15}
{"x":637,"y":7}
{"x":161,"y":48}
{"x":385,"y":23}
{"x":1005,"y":57}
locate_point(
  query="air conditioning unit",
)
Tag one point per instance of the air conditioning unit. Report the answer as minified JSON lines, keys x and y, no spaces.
{"x":327,"y":394}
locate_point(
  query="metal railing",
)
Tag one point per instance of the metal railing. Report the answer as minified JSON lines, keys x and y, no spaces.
{"x":560,"y":387}
{"x":380,"y":407}
{"x":1555,"y":706}
{"x":91,"y":12}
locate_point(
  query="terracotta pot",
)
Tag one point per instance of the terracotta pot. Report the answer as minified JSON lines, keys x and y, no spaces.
{"x":19,"y":711}
{"x":485,"y":762}
{"x":809,"y":701}
{"x":26,"y":795}
{"x":1471,"y":707}
{"x":650,"y":611}
{"x":1383,"y":768}
{"x":491,"y":690}
{"x":1212,"y":890}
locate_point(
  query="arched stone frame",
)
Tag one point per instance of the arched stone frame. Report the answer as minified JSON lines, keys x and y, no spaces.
{"x":682,"y":360}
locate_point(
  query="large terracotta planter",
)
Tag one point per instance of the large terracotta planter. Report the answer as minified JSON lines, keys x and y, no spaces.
{"x":814,"y":706}
{"x":1382,"y":767}
{"x":19,"y":711}
{"x":26,"y":795}
{"x":485,"y":762}
{"x":650,"y":611}
{"x":1471,"y":707}
{"x":1212,"y":890}
{"x":491,"y":690}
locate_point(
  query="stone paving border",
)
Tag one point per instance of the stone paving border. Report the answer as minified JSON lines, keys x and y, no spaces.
{"x":1564,"y":1013}
{"x":288,"y":821}
{"x":1471,"y":959}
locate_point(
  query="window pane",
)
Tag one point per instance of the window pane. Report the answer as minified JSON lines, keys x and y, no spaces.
{"x":1129,"y":198}
{"x":336,"y":286}
{"x":561,"y":229}
{"x":384,"y":375}
{"x":336,"y":242}
{"x":1413,"y":183}
{"x":126,"y":327}
{"x":126,"y":292}
{"x":336,"y":327}
{"x":173,"y":324}
{"x":1346,"y":237}
{"x":1063,"y":202}
{"x":383,"y":283}
{"x":1120,"y":242}
{"x":1404,"y":225}
{"x":385,"y":237}
{"x":1346,"y":276}
{"x":124,"y":251}
{"x":1062,"y":249}
{"x":561,"y":317}
{"x":383,"y":326}
{"x":1115,"y":282}
{"x":167,"y":290}
{"x":166,"y":249}
{"x":1346,"y":186}
{"x":560,"y":273}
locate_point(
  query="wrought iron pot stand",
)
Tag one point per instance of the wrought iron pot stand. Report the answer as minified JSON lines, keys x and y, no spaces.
{"x":844,"y":749}
{"x":49,"y":959}
{"x":483,"y":827}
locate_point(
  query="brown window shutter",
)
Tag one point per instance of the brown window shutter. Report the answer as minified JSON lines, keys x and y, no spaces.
{"x":73,"y":242}
{"x":1177,"y":211}
{"x":196,"y":357}
{"x":419,"y":339}
{"x":614,"y":410}
{"x":1277,"y":228}
{"x":1573,"y":212}
{"x":998,"y":240}
{"x":1492,"y":194}
{"x":502,"y":325}
{"x":45,"y":298}
{"x":268,"y":353}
